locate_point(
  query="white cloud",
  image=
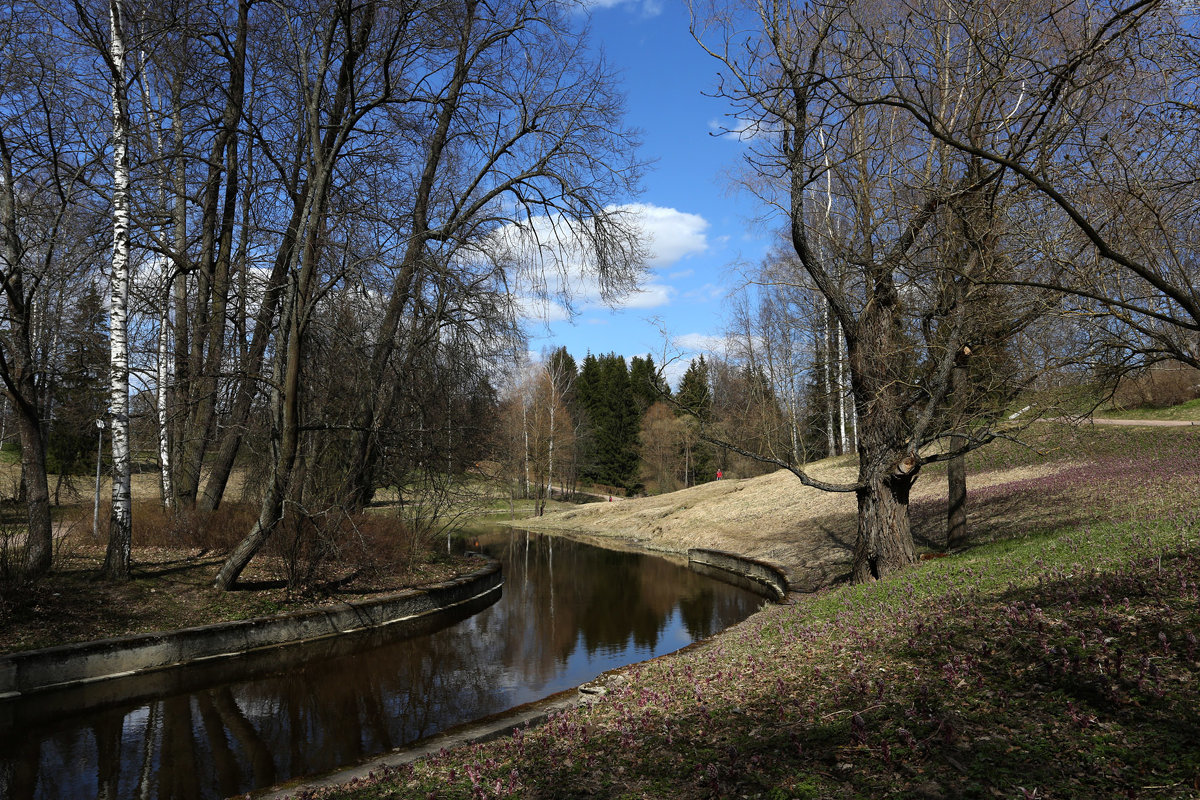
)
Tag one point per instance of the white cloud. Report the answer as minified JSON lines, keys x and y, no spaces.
{"x":555,"y":262}
{"x":647,"y":8}
{"x":541,"y":310}
{"x":697,"y":343}
{"x":742,"y":130}
{"x":670,"y":235}
{"x":651,"y":295}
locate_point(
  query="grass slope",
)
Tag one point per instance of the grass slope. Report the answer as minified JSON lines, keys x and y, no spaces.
{"x":1058,"y":661}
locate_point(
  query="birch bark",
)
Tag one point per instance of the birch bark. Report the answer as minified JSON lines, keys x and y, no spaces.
{"x":116,"y":562}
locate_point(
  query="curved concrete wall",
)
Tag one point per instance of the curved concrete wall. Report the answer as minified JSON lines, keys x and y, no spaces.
{"x":74,"y":664}
{"x":770,"y":577}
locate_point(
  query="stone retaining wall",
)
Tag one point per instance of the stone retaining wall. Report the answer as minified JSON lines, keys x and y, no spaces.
{"x":771,"y":577}
{"x":74,"y":664}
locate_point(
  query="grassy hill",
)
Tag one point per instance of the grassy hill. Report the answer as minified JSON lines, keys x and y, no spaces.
{"x":1055,"y":658}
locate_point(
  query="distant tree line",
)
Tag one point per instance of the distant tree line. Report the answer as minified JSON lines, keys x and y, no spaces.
{"x":606,"y":425}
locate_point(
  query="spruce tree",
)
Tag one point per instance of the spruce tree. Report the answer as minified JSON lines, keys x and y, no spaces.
{"x":695,"y":401}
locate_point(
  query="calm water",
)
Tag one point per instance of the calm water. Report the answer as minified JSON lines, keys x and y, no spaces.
{"x":569,"y":612}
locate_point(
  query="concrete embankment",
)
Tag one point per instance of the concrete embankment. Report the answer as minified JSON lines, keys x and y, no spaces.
{"x":74,"y":665}
{"x":760,"y":576}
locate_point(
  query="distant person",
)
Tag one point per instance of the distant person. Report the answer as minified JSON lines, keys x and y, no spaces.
{"x":719,"y":473}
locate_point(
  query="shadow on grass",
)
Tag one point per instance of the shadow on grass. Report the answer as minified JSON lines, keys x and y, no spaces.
{"x":1081,"y":687}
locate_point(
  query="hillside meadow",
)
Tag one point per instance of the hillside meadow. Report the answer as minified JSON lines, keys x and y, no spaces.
{"x":1057,"y":657}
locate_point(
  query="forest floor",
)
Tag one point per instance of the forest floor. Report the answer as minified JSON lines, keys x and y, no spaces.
{"x":1056,"y":657}
{"x":174,"y":562}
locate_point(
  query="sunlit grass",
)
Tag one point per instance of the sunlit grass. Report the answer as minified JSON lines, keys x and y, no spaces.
{"x":1185,"y":411}
{"x":1059,"y":661}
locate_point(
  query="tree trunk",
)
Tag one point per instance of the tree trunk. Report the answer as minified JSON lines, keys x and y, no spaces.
{"x":826,"y":378}
{"x":161,"y":392}
{"x":39,"y":545}
{"x":208,"y":337}
{"x":886,"y":466}
{"x":884,"y":542}
{"x":956,"y":473}
{"x":844,"y":397}
{"x":17,"y":372}
{"x":116,"y":562}
{"x":247,"y":381}
{"x":286,"y":447}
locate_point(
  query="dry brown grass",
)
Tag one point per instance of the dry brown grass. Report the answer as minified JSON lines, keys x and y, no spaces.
{"x":774,"y":517}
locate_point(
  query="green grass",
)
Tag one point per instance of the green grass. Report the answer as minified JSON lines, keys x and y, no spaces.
{"x":1060,"y":662}
{"x":1185,"y":411}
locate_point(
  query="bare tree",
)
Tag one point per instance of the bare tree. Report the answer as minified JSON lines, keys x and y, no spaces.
{"x":50,"y":234}
{"x":533,"y":141}
{"x":1105,"y":105}
{"x":120,"y":531}
{"x":799,"y":88}
{"x":345,"y":71}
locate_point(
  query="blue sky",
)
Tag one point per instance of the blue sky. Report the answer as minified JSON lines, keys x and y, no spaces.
{"x":702,"y":234}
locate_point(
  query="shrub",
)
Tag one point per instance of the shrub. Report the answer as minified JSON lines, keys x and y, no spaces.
{"x":1162,"y":385}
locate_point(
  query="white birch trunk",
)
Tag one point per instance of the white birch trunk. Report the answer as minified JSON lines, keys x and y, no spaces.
{"x":550,"y":459}
{"x":116,"y":565}
{"x":827,"y":389}
{"x":525,"y":429}
{"x":164,"y":377}
{"x":853,"y":423}
{"x":843,"y":394}
{"x":163,"y":372}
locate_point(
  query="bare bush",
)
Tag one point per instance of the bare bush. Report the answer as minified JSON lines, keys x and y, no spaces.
{"x":1160,"y":386}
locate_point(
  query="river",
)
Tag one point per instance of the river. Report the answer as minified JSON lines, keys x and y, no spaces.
{"x":569,"y":612}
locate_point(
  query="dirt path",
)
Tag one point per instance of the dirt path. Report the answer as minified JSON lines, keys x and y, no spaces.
{"x":1157,"y":423}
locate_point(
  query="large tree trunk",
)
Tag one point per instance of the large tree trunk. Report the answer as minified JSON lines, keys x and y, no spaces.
{"x":884,"y":542}
{"x":887,"y":469}
{"x":39,"y":544}
{"x":956,"y":512}
{"x":17,"y":371}
{"x":208,"y":337}
{"x":116,"y":561}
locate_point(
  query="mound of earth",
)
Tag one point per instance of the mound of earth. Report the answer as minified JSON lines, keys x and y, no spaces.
{"x":772,"y":517}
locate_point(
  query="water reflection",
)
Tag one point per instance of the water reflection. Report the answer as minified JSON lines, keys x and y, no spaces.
{"x":569,"y":611}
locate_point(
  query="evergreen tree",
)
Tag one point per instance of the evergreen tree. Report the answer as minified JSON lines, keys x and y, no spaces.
{"x":587,"y":395}
{"x":79,"y":398}
{"x":695,"y":401}
{"x":609,"y":451}
{"x":647,"y":385}
{"x":619,"y":453}
{"x":695,"y":395}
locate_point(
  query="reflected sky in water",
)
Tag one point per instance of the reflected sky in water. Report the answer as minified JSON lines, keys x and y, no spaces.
{"x":569,"y":612}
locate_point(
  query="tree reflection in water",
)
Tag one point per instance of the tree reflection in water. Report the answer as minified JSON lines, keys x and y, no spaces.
{"x":569,"y":611}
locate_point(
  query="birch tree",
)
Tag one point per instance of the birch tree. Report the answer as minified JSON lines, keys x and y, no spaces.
{"x":117,"y":558}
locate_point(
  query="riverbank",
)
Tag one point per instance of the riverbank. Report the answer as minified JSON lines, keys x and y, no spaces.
{"x":171,"y":588}
{"x":1057,"y":657}
{"x":808,"y":532}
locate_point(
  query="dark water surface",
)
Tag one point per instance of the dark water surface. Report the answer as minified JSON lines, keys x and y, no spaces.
{"x":569,"y":612}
